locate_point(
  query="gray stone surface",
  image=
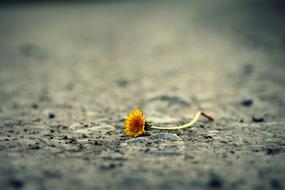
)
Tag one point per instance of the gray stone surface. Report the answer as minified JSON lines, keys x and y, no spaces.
{"x":70,"y":73}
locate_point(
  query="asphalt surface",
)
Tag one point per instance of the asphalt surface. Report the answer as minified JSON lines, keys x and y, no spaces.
{"x":70,"y":73}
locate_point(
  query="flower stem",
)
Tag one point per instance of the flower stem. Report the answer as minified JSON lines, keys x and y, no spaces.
{"x":191,"y":123}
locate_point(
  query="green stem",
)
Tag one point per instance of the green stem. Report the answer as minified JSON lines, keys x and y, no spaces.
{"x":191,"y":123}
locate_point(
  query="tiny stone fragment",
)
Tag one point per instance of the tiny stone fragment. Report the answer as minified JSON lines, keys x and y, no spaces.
{"x":51,"y":115}
{"x":247,"y":101}
{"x":16,"y":183}
{"x":257,"y":119}
{"x":215,"y":180}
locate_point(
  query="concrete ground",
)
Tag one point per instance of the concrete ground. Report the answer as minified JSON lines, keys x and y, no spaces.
{"x":70,"y":73}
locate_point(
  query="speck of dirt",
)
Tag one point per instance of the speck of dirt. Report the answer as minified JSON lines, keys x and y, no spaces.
{"x":98,"y":142}
{"x":33,"y":146}
{"x":147,"y":150}
{"x":271,"y":150}
{"x":215,"y":180}
{"x":247,"y":69}
{"x":123,"y":83}
{"x":246,"y":101}
{"x":257,"y":119}
{"x":108,"y":166}
{"x":51,"y":115}
{"x":275,"y":184}
{"x":35,"y":106}
{"x":84,"y":136}
{"x":33,"y":51}
{"x":208,"y":136}
{"x":189,"y":157}
{"x":16,"y":183}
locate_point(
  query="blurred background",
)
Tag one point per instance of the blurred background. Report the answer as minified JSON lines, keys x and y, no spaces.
{"x":70,"y":71}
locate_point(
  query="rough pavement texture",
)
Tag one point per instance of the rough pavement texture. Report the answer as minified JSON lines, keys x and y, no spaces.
{"x":69,"y":74}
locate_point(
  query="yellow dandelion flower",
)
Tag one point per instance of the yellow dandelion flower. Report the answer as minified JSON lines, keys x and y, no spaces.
{"x":135,"y":123}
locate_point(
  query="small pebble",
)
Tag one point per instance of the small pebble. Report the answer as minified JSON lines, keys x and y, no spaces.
{"x":65,"y":137}
{"x":98,"y":142}
{"x":210,"y":134}
{"x":123,"y":83}
{"x":147,"y":150}
{"x":215,"y":181}
{"x":272,"y":149}
{"x":188,"y":157}
{"x":51,"y":115}
{"x":257,"y":119}
{"x":108,"y":166}
{"x":33,"y":146}
{"x":35,"y":106}
{"x":16,"y":183}
{"x":275,"y":184}
{"x":247,"y":101}
{"x":84,"y":136}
